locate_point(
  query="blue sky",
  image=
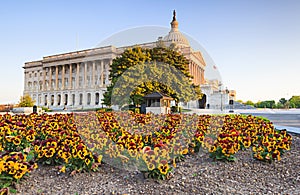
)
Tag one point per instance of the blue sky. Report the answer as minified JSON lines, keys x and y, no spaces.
{"x":254,"y":44}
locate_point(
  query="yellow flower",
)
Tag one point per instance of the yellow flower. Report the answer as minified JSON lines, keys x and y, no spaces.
{"x":19,"y":175}
{"x":30,"y":138}
{"x":184,"y":151}
{"x":99,"y":159}
{"x":23,"y":167}
{"x":63,"y":169}
{"x":174,"y":162}
{"x":213,"y":149}
{"x":80,"y":154}
{"x":87,"y":161}
{"x":150,"y":165}
{"x":163,"y":168}
{"x":132,"y":153}
{"x":17,"y":141}
{"x":50,"y":152}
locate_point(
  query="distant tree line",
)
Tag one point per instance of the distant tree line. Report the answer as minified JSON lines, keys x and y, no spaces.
{"x":293,"y":102}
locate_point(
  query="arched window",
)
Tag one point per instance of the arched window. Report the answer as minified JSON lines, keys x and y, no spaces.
{"x":41,"y":85}
{"x":97,"y":99}
{"x":80,"y":99}
{"x":73,"y":99}
{"x":52,"y":100}
{"x":29,"y":85}
{"x":46,"y":100}
{"x":66,"y":99}
{"x":58,"y":99}
{"x":88,"y":99}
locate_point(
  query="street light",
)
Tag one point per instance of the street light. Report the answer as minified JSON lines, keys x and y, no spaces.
{"x":221,"y":94}
{"x":220,"y":91}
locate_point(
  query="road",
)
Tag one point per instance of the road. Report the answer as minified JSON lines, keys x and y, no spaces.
{"x":290,"y":120}
{"x":282,"y":119}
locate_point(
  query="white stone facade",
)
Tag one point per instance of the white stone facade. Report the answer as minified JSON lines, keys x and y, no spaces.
{"x":216,"y":97}
{"x":78,"y":80}
{"x":73,"y":80}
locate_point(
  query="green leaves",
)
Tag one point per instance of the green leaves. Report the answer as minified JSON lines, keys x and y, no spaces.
{"x":139,"y":71}
{"x":26,"y":101}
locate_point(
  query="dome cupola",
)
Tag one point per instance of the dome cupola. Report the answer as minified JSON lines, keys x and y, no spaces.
{"x":175,"y":36}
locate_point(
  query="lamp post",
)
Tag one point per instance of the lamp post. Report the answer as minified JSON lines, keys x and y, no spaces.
{"x":221,"y":94}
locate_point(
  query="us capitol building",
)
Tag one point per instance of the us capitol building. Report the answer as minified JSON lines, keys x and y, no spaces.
{"x":78,"y":80}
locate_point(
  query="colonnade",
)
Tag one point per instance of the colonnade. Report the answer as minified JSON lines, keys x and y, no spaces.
{"x":68,"y":85}
{"x":197,"y":72}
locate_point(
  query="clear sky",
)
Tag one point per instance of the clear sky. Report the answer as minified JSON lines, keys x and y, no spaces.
{"x":254,"y":44}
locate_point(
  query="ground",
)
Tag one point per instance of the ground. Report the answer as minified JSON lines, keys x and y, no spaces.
{"x":198,"y":174}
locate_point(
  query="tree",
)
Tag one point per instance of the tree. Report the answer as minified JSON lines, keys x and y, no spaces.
{"x":26,"y":101}
{"x":282,"y":101}
{"x":249,"y":102}
{"x":295,"y":101}
{"x":140,"y":71}
{"x":266,"y":104}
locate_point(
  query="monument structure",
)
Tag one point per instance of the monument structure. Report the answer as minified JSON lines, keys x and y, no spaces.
{"x":78,"y":79}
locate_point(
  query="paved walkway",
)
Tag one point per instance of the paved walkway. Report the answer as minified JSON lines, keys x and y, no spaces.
{"x":282,"y":119}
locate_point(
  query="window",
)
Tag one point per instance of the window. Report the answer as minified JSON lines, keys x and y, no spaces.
{"x":40,"y":85}
{"x":73,"y":99}
{"x":52,"y":100}
{"x":66,"y":99}
{"x":97,"y":99}
{"x":73,"y":82}
{"x":66,"y":82}
{"x":45,"y":100}
{"x":29,"y":85}
{"x":59,"y":100}
{"x":80,"y":99}
{"x":52,"y":83}
{"x":88,"y":99}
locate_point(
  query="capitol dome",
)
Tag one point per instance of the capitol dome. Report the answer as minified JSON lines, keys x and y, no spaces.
{"x":175,"y":36}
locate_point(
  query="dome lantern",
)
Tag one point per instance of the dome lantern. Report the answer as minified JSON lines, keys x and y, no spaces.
{"x":175,"y":36}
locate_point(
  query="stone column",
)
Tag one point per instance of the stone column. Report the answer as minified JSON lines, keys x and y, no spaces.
{"x":196,"y":74}
{"x":69,"y":99}
{"x":101,"y":72}
{"x":77,"y":75}
{"x":85,"y":75}
{"x":49,"y":99}
{"x":197,"y":77}
{"x":55,"y":100}
{"x":84,"y":99}
{"x":44,"y":79}
{"x":70,"y":76}
{"x":193,"y":72}
{"x":77,"y":96}
{"x":56,"y":77}
{"x":63,"y":77}
{"x":101,"y":97}
{"x":93,"y":74}
{"x":42,"y":103}
{"x":93,"y":98}
{"x":50,"y":78}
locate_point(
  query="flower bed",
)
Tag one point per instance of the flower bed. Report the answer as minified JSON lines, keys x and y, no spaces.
{"x":150,"y":143}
